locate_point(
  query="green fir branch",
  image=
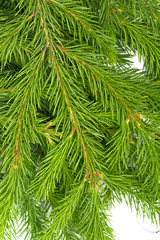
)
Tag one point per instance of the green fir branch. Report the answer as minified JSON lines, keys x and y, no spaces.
{"x":79,"y":126}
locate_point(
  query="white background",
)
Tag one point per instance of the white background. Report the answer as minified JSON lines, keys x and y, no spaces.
{"x":128,"y":227}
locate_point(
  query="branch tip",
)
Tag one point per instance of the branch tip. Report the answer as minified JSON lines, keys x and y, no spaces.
{"x":74,"y":130}
{"x":32,"y":15}
{"x":130,"y":141}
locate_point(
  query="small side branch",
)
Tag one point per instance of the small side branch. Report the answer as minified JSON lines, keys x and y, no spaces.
{"x":16,"y":152}
{"x":78,"y":19}
{"x":45,"y":30}
{"x":75,"y":125}
{"x":68,"y":103}
{"x":134,"y":116}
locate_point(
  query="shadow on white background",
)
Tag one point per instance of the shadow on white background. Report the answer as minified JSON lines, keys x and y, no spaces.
{"x":129,"y":227}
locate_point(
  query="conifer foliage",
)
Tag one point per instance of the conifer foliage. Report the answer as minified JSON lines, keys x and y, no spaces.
{"x":79,"y":125}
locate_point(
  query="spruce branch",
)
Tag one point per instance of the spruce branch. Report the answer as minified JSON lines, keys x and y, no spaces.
{"x":79,"y":126}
